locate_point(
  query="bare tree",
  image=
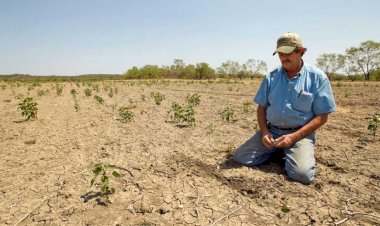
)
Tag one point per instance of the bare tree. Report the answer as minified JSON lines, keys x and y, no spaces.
{"x":254,"y":67}
{"x":366,"y":57}
{"x":231,"y":68}
{"x":330,"y":63}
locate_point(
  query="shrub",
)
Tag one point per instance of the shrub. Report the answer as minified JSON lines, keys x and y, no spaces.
{"x":58,"y":89}
{"x":28,"y":108}
{"x":73,"y":92}
{"x":228,"y":114}
{"x":182,"y":114}
{"x":87,"y":92}
{"x":99,"y":99}
{"x":246,"y":106}
{"x":158,"y":97}
{"x":373,"y":124}
{"x":110,"y":94}
{"x":125,"y":114}
{"x":194,"y":99}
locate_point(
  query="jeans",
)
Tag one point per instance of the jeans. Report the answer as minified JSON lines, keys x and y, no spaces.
{"x":299,"y":159}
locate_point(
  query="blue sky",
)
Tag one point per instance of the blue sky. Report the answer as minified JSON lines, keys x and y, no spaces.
{"x":67,"y":37}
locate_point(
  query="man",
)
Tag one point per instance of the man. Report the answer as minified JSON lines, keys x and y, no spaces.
{"x":293,"y":101}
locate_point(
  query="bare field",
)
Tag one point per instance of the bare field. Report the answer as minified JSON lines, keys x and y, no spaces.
{"x":176,"y":175}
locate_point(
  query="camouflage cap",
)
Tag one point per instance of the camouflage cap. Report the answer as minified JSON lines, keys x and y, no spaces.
{"x":288,"y":42}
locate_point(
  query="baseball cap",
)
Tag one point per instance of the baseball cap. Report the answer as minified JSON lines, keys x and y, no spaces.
{"x":288,"y":42}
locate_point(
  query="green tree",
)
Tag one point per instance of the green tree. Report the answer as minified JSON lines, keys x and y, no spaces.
{"x":366,"y":57}
{"x":330,"y":63}
{"x":152,"y":71}
{"x":204,"y":71}
{"x":133,"y":73}
{"x":189,"y":72}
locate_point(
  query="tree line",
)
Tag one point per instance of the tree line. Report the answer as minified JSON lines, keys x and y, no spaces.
{"x":179,"y":70}
{"x":362,"y":62}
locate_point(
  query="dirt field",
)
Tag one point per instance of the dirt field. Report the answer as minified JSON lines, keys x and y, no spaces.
{"x":176,"y":175}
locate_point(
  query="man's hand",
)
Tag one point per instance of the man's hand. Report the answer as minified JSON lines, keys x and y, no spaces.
{"x":285,"y":141}
{"x":268,"y":140}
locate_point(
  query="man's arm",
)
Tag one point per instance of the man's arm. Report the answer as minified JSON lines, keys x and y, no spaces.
{"x":310,"y":127}
{"x":266,"y":137}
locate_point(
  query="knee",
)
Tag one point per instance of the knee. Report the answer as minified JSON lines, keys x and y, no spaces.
{"x":243,"y":157}
{"x":303,"y":175}
{"x":239,"y":157}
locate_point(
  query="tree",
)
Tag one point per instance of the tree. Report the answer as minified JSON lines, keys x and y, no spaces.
{"x":366,"y":57}
{"x":351,"y":70}
{"x":132,"y":73}
{"x":203,"y":70}
{"x":176,"y":70}
{"x":330,"y":63}
{"x":151,"y":71}
{"x":255,"y":67}
{"x":189,"y":72}
{"x":231,"y":68}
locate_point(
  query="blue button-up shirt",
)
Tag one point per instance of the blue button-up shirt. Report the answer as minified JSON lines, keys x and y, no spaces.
{"x":294,"y":102}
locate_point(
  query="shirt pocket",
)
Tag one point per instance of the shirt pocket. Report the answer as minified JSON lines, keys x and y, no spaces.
{"x":303,"y":101}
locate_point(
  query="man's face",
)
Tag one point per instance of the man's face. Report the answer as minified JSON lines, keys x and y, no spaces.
{"x":290,"y":62}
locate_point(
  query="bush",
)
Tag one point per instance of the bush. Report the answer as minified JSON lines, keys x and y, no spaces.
{"x":228,"y":114}
{"x":99,"y":99}
{"x":194,"y":99}
{"x":182,"y":114}
{"x":87,"y":92}
{"x":158,"y":97}
{"x":125,"y":114}
{"x":28,"y":108}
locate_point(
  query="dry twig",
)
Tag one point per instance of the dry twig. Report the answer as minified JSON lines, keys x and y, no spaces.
{"x":26,"y":216}
{"x":226,"y":215}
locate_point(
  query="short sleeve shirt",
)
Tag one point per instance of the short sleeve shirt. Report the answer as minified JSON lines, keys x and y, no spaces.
{"x":294,"y":102}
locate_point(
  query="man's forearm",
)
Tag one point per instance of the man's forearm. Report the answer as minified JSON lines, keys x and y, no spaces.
{"x":310,"y":127}
{"x":262,"y":119}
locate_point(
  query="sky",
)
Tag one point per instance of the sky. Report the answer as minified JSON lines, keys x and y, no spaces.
{"x":72,"y":37}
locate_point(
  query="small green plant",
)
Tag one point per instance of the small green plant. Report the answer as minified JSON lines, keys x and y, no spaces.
{"x":58,"y":89}
{"x":101,"y":169}
{"x":246,"y":106}
{"x":28,"y":108}
{"x":73,"y":92}
{"x":158,"y":97}
{"x":19,"y":96}
{"x":125,"y":114}
{"x":143,"y":97}
{"x":182,"y":114}
{"x":110,"y":94}
{"x":228,"y":114}
{"x":193,"y":99}
{"x":373,"y":124}
{"x":95,"y":87}
{"x":41,"y":92}
{"x":29,"y":142}
{"x":285,"y":208}
{"x":99,"y":99}
{"x":87,"y":92}
{"x":76,"y":105}
{"x":7,"y":100}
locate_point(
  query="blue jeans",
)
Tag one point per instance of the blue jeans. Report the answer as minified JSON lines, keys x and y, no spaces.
{"x":299,"y":159}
